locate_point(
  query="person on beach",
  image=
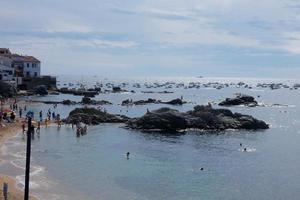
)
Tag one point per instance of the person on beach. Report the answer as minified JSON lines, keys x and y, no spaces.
{"x":84,"y":129}
{"x":25,"y":108}
{"x":23,"y":127}
{"x":20,"y":112}
{"x":38,"y":127}
{"x":12,"y":116}
{"x":127,"y":155}
{"x":46,"y":122}
{"x":58,"y":120}
{"x":5,"y":191}
{"x":41,"y":115}
{"x":53,"y":116}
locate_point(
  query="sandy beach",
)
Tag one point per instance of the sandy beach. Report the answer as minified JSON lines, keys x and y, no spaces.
{"x":8,"y":130}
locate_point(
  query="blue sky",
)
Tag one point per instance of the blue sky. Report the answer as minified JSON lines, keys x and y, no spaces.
{"x":156,"y":37}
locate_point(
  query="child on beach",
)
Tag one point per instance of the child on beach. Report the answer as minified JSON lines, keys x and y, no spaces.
{"x":46,"y":122}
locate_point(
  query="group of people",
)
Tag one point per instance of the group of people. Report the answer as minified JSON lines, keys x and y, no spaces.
{"x":80,"y":130}
{"x":8,"y":114}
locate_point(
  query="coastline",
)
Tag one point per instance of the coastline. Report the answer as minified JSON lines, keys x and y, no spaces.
{"x":7,"y":132}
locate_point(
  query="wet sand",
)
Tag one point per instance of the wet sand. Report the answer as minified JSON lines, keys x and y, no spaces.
{"x":8,"y":130}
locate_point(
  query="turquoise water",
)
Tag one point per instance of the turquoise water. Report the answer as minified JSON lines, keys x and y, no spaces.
{"x":166,"y":166}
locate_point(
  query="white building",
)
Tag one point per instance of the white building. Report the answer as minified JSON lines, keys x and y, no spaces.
{"x":6,"y":73}
{"x":31,"y":67}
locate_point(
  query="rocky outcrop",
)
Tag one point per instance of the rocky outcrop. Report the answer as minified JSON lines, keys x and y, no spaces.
{"x":7,"y":90}
{"x":175,"y":102}
{"x":84,"y":101}
{"x":85,"y":93}
{"x":89,"y":101}
{"x":202,"y":117}
{"x":40,"y":90}
{"x":240,"y":100}
{"x":129,"y":102}
{"x":93,"y":116}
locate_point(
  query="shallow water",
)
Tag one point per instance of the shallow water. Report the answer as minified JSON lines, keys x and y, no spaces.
{"x":166,"y":166}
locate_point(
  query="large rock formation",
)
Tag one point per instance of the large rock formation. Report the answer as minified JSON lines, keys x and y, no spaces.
{"x":89,"y":101}
{"x":239,"y":100}
{"x":84,"y":101}
{"x":40,"y":90}
{"x":129,"y":102}
{"x":202,"y":117}
{"x":93,"y":116}
{"x":7,"y":90}
{"x":175,"y":102}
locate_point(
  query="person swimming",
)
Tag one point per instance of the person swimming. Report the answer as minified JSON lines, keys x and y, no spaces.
{"x":241,"y":144}
{"x":245,"y":149}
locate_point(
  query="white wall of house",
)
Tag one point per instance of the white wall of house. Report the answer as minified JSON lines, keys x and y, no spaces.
{"x":6,"y":73}
{"x":32,"y":69}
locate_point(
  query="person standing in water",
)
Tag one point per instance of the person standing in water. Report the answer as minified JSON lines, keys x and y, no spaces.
{"x":127,"y":155}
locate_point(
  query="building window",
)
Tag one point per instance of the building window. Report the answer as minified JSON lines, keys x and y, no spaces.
{"x":27,"y":65}
{"x":35,"y":74}
{"x":27,"y":73}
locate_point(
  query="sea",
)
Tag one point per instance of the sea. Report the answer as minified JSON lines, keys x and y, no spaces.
{"x":167,"y":165}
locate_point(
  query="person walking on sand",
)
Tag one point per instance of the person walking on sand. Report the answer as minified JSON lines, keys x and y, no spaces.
{"x":46,"y":122}
{"x":20,"y":112}
{"x":53,"y":116}
{"x":41,"y":115}
{"x":38,"y":127}
{"x":5,"y":191}
{"x":23,"y":127}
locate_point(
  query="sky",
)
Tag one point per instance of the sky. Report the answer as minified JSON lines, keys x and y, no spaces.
{"x":126,"y":38}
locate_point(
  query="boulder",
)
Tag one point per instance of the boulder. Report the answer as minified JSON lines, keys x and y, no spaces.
{"x":89,"y":101}
{"x":202,"y":117}
{"x":129,"y":102}
{"x":175,"y":102}
{"x":239,"y":100}
{"x":161,"y":119}
{"x":41,"y":90}
{"x":68,"y":102}
{"x":93,"y":116}
{"x":7,"y":90}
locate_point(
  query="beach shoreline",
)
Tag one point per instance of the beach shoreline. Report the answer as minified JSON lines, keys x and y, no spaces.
{"x":10,"y":130}
{"x":7,"y":131}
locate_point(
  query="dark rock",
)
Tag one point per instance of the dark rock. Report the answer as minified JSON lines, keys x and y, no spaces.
{"x":68,"y":102}
{"x":89,"y":101}
{"x":161,"y":119}
{"x":7,"y":90}
{"x":93,"y":116}
{"x":78,"y":92}
{"x":129,"y":102}
{"x":202,"y":117}
{"x":240,"y":100}
{"x":54,"y":93}
{"x":40,"y":90}
{"x":175,"y":102}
